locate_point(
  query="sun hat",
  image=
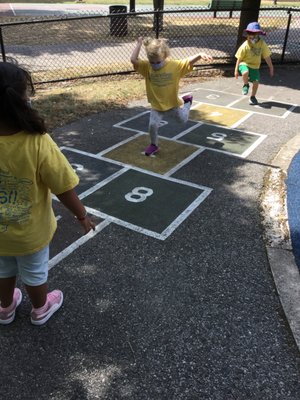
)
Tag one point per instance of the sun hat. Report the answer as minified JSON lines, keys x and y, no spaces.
{"x":254,"y":27}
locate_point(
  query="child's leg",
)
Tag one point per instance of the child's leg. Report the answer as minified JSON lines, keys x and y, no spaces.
{"x":182,"y":113}
{"x":244,"y":71}
{"x":8,"y":273}
{"x":10,"y":296}
{"x":7,"y":287}
{"x":255,"y":85}
{"x":245,"y":77}
{"x":34,"y":273}
{"x":154,"y":122}
{"x":37,"y":294}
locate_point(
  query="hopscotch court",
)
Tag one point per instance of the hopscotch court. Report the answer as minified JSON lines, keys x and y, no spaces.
{"x":120,"y":185}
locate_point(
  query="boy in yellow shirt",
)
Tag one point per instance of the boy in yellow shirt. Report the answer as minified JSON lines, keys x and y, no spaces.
{"x":249,"y":56}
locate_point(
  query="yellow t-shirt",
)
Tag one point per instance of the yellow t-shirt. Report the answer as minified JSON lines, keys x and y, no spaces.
{"x":31,"y":167}
{"x":162,"y":85}
{"x":251,"y":54}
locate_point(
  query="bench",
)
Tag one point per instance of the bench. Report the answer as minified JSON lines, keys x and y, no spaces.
{"x":227,"y":5}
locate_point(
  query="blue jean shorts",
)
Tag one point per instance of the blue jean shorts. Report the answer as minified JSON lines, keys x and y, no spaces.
{"x":32,"y":268}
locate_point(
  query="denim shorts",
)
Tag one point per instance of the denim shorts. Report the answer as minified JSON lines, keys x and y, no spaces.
{"x":32,"y":268}
{"x":254,"y":74}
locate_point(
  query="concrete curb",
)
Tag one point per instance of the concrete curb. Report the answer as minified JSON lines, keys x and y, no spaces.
{"x":282,"y":262}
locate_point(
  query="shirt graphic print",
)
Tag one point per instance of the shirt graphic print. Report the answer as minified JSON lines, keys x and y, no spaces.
{"x":14,"y":200}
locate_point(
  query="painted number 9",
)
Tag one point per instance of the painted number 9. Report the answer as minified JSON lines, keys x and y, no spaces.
{"x":138,"y":194}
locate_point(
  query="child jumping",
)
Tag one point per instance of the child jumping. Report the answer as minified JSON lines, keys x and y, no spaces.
{"x":249,"y":56}
{"x":31,"y":167}
{"x":162,"y":77}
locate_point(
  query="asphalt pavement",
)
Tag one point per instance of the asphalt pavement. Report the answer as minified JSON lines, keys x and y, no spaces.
{"x":205,"y":310}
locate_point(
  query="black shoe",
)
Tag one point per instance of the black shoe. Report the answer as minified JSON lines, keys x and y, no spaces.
{"x":253,"y":101}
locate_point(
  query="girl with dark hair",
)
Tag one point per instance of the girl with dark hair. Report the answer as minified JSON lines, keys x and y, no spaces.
{"x":31,"y":168}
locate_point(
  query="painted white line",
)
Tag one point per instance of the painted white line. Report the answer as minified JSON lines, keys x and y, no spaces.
{"x":128,"y":225}
{"x":253,"y":111}
{"x":187,"y":130}
{"x":184,"y":162}
{"x":289,"y":111}
{"x":234,"y":102}
{"x":102,"y":183}
{"x":119,"y":124}
{"x":120,"y":143}
{"x":84,"y":153}
{"x":12,"y":10}
{"x":261,"y":137}
{"x":170,"y":229}
{"x":254,"y":145}
{"x":243,"y":119}
{"x":219,"y":91}
{"x":96,"y":156}
{"x":283,"y":116}
{"x":83,"y":239}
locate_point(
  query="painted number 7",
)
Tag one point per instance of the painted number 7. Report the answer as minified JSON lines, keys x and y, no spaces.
{"x":138,"y":194}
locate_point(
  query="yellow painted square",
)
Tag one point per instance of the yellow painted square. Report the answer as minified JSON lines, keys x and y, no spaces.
{"x":216,"y":114}
{"x":169,"y":155}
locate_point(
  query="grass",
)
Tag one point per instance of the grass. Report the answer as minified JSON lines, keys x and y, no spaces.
{"x":63,"y":103}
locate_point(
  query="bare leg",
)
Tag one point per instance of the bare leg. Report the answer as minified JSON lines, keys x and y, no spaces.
{"x":245,"y":78}
{"x":7,"y":286}
{"x":37,"y":294}
{"x":254,"y":88}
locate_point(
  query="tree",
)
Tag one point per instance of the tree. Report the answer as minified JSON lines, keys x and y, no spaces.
{"x":249,"y":13}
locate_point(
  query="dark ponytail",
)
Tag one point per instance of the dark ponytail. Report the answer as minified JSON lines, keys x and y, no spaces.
{"x":15,"y":112}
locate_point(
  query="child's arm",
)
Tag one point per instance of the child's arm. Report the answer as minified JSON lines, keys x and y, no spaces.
{"x":71,"y":201}
{"x":193,"y":59}
{"x":270,"y":65}
{"x":236,"y":70}
{"x":135,"y":54}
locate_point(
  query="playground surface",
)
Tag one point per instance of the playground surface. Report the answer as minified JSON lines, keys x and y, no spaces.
{"x":173,"y":296}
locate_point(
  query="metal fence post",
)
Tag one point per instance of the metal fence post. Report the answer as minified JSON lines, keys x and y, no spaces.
{"x":2,"y":46}
{"x":286,"y":35}
{"x":158,"y":22}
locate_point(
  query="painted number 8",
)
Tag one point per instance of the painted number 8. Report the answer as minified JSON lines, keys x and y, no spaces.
{"x":138,"y":194}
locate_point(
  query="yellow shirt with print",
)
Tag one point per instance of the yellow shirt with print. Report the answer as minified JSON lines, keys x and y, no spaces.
{"x":162,"y":85}
{"x":252,"y":54}
{"x":31,"y":167}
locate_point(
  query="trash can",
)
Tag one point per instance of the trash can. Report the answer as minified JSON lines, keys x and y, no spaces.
{"x":118,"y":23}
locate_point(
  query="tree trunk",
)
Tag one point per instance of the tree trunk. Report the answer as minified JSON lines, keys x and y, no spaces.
{"x":249,"y":13}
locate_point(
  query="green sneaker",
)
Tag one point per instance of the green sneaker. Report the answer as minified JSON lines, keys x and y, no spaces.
{"x":245,"y":89}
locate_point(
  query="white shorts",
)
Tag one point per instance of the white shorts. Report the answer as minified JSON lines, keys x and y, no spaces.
{"x":32,"y":268}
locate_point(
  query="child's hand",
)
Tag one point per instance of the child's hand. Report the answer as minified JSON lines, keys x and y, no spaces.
{"x":236,"y":74}
{"x":271,"y":72}
{"x":87,"y":224}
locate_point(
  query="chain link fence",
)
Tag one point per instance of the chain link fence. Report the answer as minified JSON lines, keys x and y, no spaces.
{"x":58,"y":49}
